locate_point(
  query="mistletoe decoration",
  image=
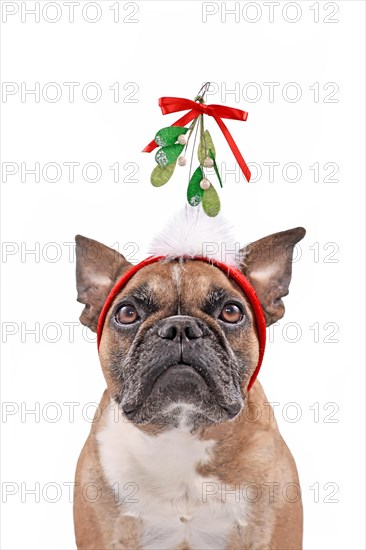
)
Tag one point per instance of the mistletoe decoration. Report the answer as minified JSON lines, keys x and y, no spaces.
{"x":173,"y":142}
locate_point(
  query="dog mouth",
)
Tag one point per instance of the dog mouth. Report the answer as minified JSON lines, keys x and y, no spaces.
{"x":178,"y":382}
{"x":171,"y":378}
{"x":181,"y":369}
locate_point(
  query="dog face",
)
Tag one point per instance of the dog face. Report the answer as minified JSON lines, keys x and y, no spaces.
{"x":180,"y":336}
{"x":179,"y":341}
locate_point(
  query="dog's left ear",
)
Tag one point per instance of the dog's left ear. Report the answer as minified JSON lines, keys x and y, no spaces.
{"x":97,"y":269}
{"x":267,"y":264}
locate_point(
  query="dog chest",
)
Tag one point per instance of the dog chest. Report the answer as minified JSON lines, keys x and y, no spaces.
{"x":155,"y":479}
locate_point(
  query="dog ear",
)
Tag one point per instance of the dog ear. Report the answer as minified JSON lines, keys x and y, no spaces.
{"x":97,"y":269}
{"x":267,"y":264}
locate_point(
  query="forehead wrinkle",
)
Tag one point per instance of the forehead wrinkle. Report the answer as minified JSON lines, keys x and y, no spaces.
{"x":148,"y":284}
{"x":176,"y":275}
{"x":142,"y":292}
{"x":199,"y":278}
{"x":216,"y":294}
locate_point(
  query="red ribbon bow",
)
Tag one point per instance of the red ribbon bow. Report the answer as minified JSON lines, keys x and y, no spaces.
{"x":174,"y":104}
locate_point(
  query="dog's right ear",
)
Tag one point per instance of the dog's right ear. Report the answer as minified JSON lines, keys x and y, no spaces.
{"x":98,"y":267}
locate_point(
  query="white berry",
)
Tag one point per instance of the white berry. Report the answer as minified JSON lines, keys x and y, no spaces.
{"x":205,"y":184}
{"x":208,"y":162}
{"x":182,"y":161}
{"x":182,"y":139}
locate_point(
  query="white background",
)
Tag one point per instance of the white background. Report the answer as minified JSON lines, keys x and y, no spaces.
{"x":169,"y":50}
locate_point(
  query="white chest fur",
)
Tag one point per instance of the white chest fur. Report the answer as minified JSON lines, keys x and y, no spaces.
{"x":155,"y":479}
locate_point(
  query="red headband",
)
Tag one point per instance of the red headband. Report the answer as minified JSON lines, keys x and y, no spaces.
{"x":230,"y":271}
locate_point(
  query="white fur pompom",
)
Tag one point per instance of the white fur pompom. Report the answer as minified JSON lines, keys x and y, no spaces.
{"x":192,"y":233}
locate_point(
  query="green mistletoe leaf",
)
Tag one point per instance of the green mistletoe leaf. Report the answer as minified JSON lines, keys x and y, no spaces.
{"x":205,"y":145}
{"x":211,"y":202}
{"x":215,"y":167}
{"x":209,"y":142}
{"x":201,"y":152}
{"x":161,"y":175}
{"x":169,"y":135}
{"x":169,"y":154}
{"x":194,"y":191}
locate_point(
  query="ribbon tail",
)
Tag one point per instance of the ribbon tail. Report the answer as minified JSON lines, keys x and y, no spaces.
{"x":185,"y":119}
{"x":237,"y":154}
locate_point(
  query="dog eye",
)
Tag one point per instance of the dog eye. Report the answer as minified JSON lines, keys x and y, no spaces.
{"x":231,"y":313}
{"x":127,"y":315}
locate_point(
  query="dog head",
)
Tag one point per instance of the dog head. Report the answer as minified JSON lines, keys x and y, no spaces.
{"x":180,"y":340}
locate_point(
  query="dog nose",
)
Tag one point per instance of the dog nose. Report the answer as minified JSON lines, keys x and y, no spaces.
{"x":178,"y":327}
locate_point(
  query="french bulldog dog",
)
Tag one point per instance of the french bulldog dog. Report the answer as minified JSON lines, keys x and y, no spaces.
{"x":181,"y":455}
